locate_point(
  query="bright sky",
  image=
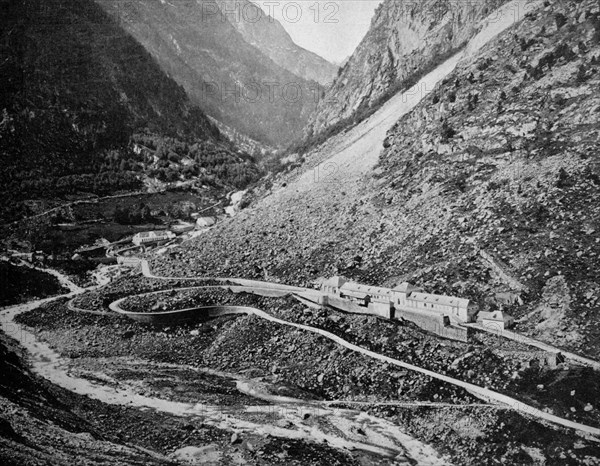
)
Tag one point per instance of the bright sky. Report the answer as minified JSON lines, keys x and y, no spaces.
{"x":330,"y":28}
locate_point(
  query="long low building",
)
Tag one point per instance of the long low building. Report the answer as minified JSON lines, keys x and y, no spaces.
{"x":457,"y":308}
{"x":384,"y":301}
{"x":365,"y":293}
{"x":152,"y":237}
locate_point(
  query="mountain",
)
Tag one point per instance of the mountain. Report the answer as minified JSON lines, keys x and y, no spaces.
{"x":404,"y":41}
{"x":268,"y":35}
{"x":233,"y":81}
{"x":76,"y":90}
{"x":488,"y":186}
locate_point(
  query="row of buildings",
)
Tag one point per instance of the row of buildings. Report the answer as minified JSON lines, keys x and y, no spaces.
{"x":147,"y":238}
{"x":406,"y":298}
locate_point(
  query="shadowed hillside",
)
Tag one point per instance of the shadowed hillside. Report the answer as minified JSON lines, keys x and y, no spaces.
{"x":232,"y":80}
{"x":75,"y":89}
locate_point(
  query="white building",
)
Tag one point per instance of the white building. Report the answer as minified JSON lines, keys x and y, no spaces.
{"x":205,"y":222}
{"x":332,"y":285}
{"x":457,"y":308}
{"x":496,"y":320}
{"x":401,"y":292}
{"x":152,"y":237}
{"x":365,"y":293}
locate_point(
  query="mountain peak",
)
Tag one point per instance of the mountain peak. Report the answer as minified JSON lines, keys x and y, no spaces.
{"x":269,"y":36}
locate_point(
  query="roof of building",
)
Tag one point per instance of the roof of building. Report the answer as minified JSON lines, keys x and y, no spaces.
{"x":366,"y":289}
{"x":335,"y":282}
{"x":406,"y":288}
{"x":484,"y":315}
{"x":152,"y":234}
{"x":356,"y":294}
{"x":206,"y":221}
{"x":498,"y":316}
{"x":440,"y":299}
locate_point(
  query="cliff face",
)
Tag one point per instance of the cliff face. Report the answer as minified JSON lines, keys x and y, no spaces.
{"x":232,"y":81}
{"x":405,"y":39}
{"x":268,"y":35}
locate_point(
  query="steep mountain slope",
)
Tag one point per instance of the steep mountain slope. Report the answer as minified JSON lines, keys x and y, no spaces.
{"x":75,"y":89}
{"x":231,"y":80}
{"x":268,"y":35}
{"x":406,"y":39}
{"x":488,"y":186}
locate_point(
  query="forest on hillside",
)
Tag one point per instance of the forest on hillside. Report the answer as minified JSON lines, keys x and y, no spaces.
{"x":77,"y":93}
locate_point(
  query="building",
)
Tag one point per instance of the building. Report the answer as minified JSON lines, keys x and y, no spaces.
{"x":457,"y":308}
{"x":403,"y":299}
{"x":496,"y":320}
{"x":401,"y":292}
{"x":205,"y":222}
{"x":365,"y":294}
{"x":182,"y":227}
{"x":332,"y":285}
{"x":152,"y":237}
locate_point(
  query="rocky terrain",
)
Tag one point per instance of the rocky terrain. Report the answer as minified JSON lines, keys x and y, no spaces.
{"x":503,"y":158}
{"x":503,"y":366}
{"x":232,"y":80}
{"x":299,"y":364}
{"x":486,"y":190}
{"x":405,"y":39}
{"x":41,"y":423}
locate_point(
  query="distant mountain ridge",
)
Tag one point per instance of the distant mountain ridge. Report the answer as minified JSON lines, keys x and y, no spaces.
{"x":230,"y":79}
{"x":269,"y":36}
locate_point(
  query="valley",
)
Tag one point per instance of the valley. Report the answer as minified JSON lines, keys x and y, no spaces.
{"x":467,"y":173}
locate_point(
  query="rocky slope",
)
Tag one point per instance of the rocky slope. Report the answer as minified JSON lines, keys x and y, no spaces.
{"x":268,"y":35}
{"x":291,"y":362}
{"x":405,"y":39}
{"x":43,"y":424}
{"x":230,"y":79}
{"x":488,"y":187}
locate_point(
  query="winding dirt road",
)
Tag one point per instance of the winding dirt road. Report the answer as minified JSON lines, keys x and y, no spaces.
{"x":480,"y":392}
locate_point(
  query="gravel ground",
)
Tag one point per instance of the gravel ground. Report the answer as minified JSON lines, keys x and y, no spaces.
{"x":486,"y":361}
{"x":307,"y":363}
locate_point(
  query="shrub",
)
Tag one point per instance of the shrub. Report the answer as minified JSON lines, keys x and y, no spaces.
{"x":447,"y":131}
{"x":560,"y":20}
{"x":582,"y":74}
